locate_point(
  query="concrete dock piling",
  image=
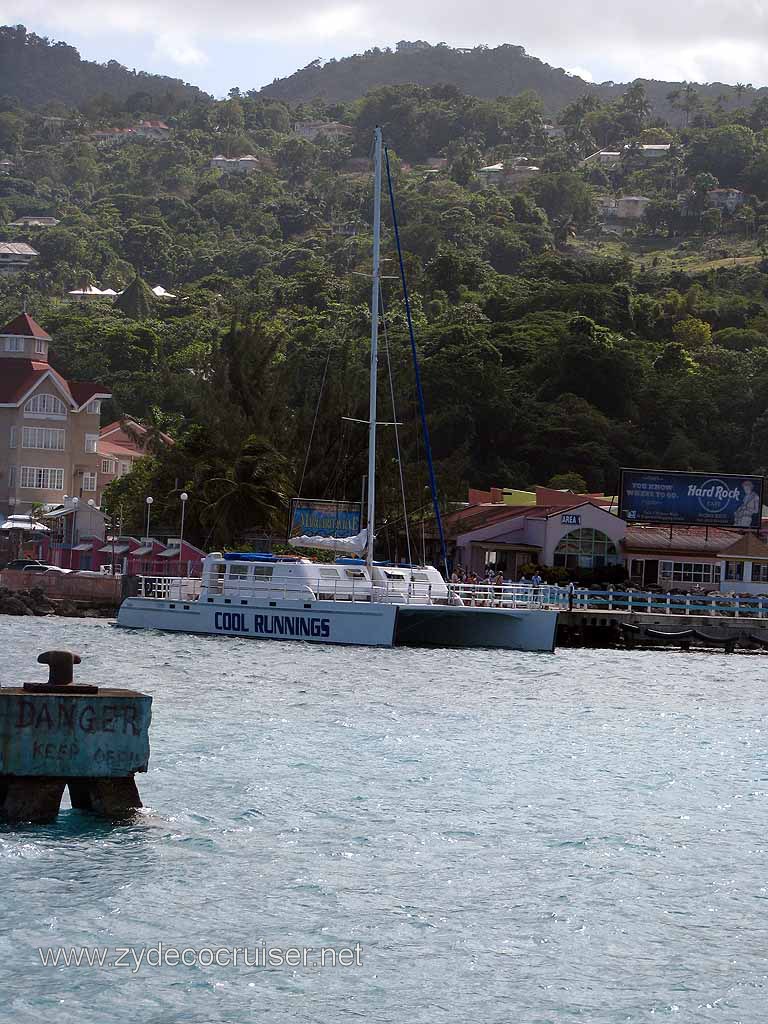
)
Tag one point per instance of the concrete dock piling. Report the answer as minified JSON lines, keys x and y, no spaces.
{"x":61,"y":733}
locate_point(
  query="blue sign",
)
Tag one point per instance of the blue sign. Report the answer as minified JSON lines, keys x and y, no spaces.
{"x":315,"y":518}
{"x":273,"y":625}
{"x":570,"y":519}
{"x":690,"y":499}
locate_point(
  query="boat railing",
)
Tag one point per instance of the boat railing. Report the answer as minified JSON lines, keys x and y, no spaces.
{"x":170,"y":588}
{"x":502,"y":595}
{"x":410,"y":592}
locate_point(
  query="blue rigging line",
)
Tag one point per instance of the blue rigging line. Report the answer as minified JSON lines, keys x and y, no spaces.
{"x":417,"y":370}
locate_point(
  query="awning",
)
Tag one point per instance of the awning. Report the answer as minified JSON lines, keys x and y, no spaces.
{"x":170,"y":553}
{"x":25,"y":524}
{"x":489,"y":545}
{"x":119,"y":549}
{"x":83,"y":547}
{"x":146,"y":550}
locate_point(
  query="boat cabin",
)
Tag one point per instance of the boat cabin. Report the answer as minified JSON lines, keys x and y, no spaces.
{"x":244,"y":574}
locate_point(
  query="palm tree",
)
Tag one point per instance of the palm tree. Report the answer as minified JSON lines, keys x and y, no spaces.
{"x":249,"y":493}
{"x":691,"y":101}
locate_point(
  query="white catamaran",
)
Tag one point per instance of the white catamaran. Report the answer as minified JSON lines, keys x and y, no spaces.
{"x":354,"y":600}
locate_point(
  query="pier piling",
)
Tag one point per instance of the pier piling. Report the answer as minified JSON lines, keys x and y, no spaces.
{"x":61,"y":734}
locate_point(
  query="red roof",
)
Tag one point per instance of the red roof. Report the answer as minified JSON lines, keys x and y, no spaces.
{"x":684,"y":540}
{"x":84,"y":390}
{"x":23,"y":325}
{"x":21,"y":375}
{"x":18,"y":376}
{"x":121,"y":450}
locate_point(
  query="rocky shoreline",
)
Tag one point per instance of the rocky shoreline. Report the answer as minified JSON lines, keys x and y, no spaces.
{"x":35,"y":602}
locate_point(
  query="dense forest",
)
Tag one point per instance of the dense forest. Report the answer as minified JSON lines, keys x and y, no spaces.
{"x":481,"y":71}
{"x":39,"y":72}
{"x":550,"y":343}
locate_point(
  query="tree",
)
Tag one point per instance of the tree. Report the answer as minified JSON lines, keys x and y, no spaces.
{"x":11,"y":132}
{"x":137,"y":300}
{"x":724,"y":152}
{"x":249,"y":494}
{"x":568,"y":482}
{"x":693,"y":334}
{"x":563,"y":195}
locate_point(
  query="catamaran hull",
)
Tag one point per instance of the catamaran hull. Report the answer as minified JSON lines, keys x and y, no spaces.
{"x":325,"y":622}
{"x":349,"y":623}
{"x":441,"y":626}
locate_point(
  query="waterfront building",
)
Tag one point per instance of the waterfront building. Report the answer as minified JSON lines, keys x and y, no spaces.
{"x":571,"y":533}
{"x":509,"y":529}
{"x":49,"y":426}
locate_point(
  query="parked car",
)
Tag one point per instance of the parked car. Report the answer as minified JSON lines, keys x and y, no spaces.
{"x":20,"y":564}
{"x":43,"y":569}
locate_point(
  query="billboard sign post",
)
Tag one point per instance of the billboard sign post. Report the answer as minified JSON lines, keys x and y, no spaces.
{"x":317,"y":517}
{"x":690,"y":499}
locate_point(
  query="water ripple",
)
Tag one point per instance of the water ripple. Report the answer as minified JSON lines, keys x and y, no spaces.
{"x":511,"y":837}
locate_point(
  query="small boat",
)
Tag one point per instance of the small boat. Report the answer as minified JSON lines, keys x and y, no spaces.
{"x":352,"y":600}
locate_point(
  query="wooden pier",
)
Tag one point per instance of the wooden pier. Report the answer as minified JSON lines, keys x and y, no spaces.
{"x":602,"y":628}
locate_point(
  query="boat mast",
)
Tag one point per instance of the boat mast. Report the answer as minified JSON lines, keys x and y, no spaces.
{"x":374,"y":346}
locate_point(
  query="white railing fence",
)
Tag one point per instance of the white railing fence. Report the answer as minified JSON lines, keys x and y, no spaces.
{"x":469,"y":595}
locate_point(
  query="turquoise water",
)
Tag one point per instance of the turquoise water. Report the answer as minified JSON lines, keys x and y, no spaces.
{"x":511,"y":838}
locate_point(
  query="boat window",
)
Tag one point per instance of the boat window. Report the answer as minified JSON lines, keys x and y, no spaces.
{"x":262,"y":571}
{"x":355,"y":574}
{"x":393,"y":575}
{"x":420,"y":577}
{"x":238,"y":570}
{"x":328,"y":572}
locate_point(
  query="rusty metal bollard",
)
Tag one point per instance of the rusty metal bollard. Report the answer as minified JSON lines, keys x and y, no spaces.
{"x":61,"y":733}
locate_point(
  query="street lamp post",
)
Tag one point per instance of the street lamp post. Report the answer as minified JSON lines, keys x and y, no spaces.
{"x":91,"y":506}
{"x":75,"y":503}
{"x":149,"y":501}
{"x":149,"y":509}
{"x":61,"y":535}
{"x":183,"y":497}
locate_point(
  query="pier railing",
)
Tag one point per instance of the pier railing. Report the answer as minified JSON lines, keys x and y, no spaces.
{"x":649,"y":603}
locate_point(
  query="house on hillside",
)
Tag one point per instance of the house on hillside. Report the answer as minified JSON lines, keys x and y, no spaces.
{"x":235,"y":164}
{"x":654,"y":152}
{"x":50,"y":425}
{"x":554,"y":131}
{"x":6,"y":166}
{"x":151,"y":130}
{"x":331,"y":131}
{"x":631,"y":207}
{"x":606,"y":158}
{"x":728,"y":199}
{"x":112,"y":136}
{"x":506,"y":175}
{"x":91,"y":292}
{"x":16,"y":256}
{"x":34,"y":221}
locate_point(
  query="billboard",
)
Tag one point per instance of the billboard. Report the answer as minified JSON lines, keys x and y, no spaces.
{"x":690,"y":499}
{"x":319,"y":517}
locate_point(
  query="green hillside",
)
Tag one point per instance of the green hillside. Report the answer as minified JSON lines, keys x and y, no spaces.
{"x":572,"y":317}
{"x":481,"y":71}
{"x":38,"y":72}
